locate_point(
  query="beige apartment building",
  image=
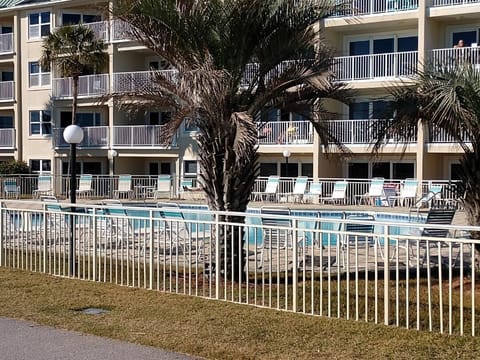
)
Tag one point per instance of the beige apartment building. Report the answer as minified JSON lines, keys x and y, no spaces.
{"x":379,"y":43}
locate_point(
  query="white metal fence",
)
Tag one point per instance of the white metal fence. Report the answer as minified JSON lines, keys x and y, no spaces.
{"x":366,"y":7}
{"x":93,"y":136}
{"x":88,"y":86}
{"x":453,"y":2}
{"x":285,"y":132}
{"x":322,"y":264}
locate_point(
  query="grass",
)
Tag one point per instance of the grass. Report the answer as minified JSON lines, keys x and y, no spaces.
{"x":213,"y":329}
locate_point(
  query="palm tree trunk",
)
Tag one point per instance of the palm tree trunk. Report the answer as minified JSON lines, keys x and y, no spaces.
{"x":228,"y":176}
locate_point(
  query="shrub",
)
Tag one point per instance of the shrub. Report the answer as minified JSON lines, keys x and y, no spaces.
{"x":14,"y":167}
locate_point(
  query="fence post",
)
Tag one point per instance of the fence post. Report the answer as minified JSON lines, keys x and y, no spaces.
{"x":2,"y":214}
{"x":45,"y":240}
{"x":94,"y":235}
{"x":217,"y":258}
{"x":295,"y":265}
{"x":151,"y":251}
{"x":386,"y":276}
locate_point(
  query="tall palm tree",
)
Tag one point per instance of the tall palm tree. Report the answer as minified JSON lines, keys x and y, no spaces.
{"x":444,"y":99}
{"x":74,"y":50}
{"x":235,"y":59}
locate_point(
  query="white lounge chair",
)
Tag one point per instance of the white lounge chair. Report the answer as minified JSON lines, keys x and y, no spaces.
{"x":85,"y":186}
{"x":44,"y":186}
{"x":11,"y":189}
{"x":339,"y":193}
{"x":164,"y":187}
{"x":124,"y":187}
{"x":298,"y":190}
{"x":374,"y":192}
{"x":408,"y":193}
{"x":270,"y":190}
{"x":313,"y":193}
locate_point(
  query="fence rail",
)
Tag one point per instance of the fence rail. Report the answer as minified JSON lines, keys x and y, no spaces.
{"x":394,"y":275}
{"x":94,"y":137}
{"x":366,"y":7}
{"x":88,"y":86}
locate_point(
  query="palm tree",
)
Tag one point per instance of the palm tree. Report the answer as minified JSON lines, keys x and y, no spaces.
{"x":444,"y":99}
{"x":235,"y":60}
{"x":74,"y":50}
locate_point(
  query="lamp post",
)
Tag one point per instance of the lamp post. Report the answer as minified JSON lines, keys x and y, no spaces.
{"x":73,"y":135}
{"x":286,"y":155}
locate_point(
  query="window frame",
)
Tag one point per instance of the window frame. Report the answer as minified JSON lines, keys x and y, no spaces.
{"x":43,"y":78}
{"x":40,"y":122}
{"x":42,"y":163}
{"x":37,"y":34}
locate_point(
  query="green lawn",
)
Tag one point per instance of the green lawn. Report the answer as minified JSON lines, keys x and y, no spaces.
{"x":213,"y":329}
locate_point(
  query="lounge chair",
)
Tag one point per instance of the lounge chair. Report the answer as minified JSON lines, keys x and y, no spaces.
{"x":429,"y":199}
{"x":124,"y":187}
{"x":85,"y":186}
{"x":408,"y":193}
{"x":314,"y":192}
{"x":188,"y":192}
{"x":338,"y":194}
{"x":357,"y":232}
{"x":277,"y":235}
{"x":298,"y":190}
{"x":11,"y":189}
{"x":44,"y":186}
{"x":426,"y":230}
{"x":374,"y":192}
{"x":270,"y":190}
{"x":164,"y":187}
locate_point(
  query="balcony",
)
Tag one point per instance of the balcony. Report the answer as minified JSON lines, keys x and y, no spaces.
{"x":438,"y":3}
{"x":450,"y":57}
{"x":120,"y":30}
{"x":286,"y":133}
{"x":376,"y":66}
{"x":6,"y":43}
{"x":99,"y":28}
{"x":7,"y":138}
{"x":7,"y":91}
{"x":88,"y":86}
{"x":439,"y":136}
{"x":140,"y":136}
{"x":360,"y":132}
{"x":140,"y":81}
{"x":94,"y":137}
{"x":369,"y":7}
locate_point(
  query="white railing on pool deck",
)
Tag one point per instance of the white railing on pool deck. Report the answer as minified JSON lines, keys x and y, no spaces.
{"x":375,"y":267}
{"x":104,"y":185}
{"x":367,"y":67}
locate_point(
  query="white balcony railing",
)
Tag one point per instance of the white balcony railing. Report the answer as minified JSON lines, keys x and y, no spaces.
{"x":366,"y":7}
{"x":450,"y":57}
{"x":285,"y":132}
{"x":100,"y":29}
{"x":7,"y":138}
{"x":120,"y":30}
{"x":439,"y":136}
{"x":88,"y":86}
{"x":436,"y":3}
{"x":140,"y":136}
{"x":7,"y":90}
{"x":95,"y":136}
{"x":366,"y":67}
{"x":360,"y":131}
{"x":6,"y":43}
{"x":138,"y":81}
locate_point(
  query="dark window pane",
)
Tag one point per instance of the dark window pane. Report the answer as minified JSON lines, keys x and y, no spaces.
{"x":71,"y":19}
{"x":455,"y":170}
{"x":383,"y":46}
{"x":91,"y":18}
{"x":34,"y":67}
{"x":6,"y":122}
{"x":45,"y":30}
{"x":267,"y":169}
{"x":92,"y":168}
{"x":153,"y":168}
{"x":35,"y":129}
{"x":409,"y":43}
{"x":154,"y":118}
{"x":46,"y":165}
{"x":33,"y":19}
{"x":381,"y":170}
{"x":46,"y":128}
{"x":358,"y":170}
{"x":65,"y":118}
{"x":307,"y":170}
{"x":359,"y":48}
{"x":289,"y":171}
{"x":468,"y":37}
{"x":45,"y":16}
{"x":190,"y":167}
{"x":35,"y":165}
{"x":403,"y":170}
{"x":165,"y":168}
{"x":359,"y":110}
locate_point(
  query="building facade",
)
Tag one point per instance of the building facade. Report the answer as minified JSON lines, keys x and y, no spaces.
{"x":379,"y":43}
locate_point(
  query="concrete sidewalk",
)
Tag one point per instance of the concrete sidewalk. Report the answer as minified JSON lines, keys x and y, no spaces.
{"x":22,"y":340}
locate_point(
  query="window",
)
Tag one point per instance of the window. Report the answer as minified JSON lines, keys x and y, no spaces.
{"x":83,"y":167}
{"x":40,"y":123}
{"x":38,"y":25}
{"x":75,"y":19}
{"x":190,"y":125}
{"x":6,"y":122}
{"x":307,"y":170}
{"x":40,"y":166}
{"x":159,"y":118}
{"x":83,"y":119}
{"x":403,"y":170}
{"x":190,"y":167}
{"x":267,"y":169}
{"x":37,"y":75}
{"x":7,"y":75}
{"x":358,"y":170}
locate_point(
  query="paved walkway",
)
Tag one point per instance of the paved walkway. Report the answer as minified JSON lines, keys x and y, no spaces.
{"x":21,"y":340}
